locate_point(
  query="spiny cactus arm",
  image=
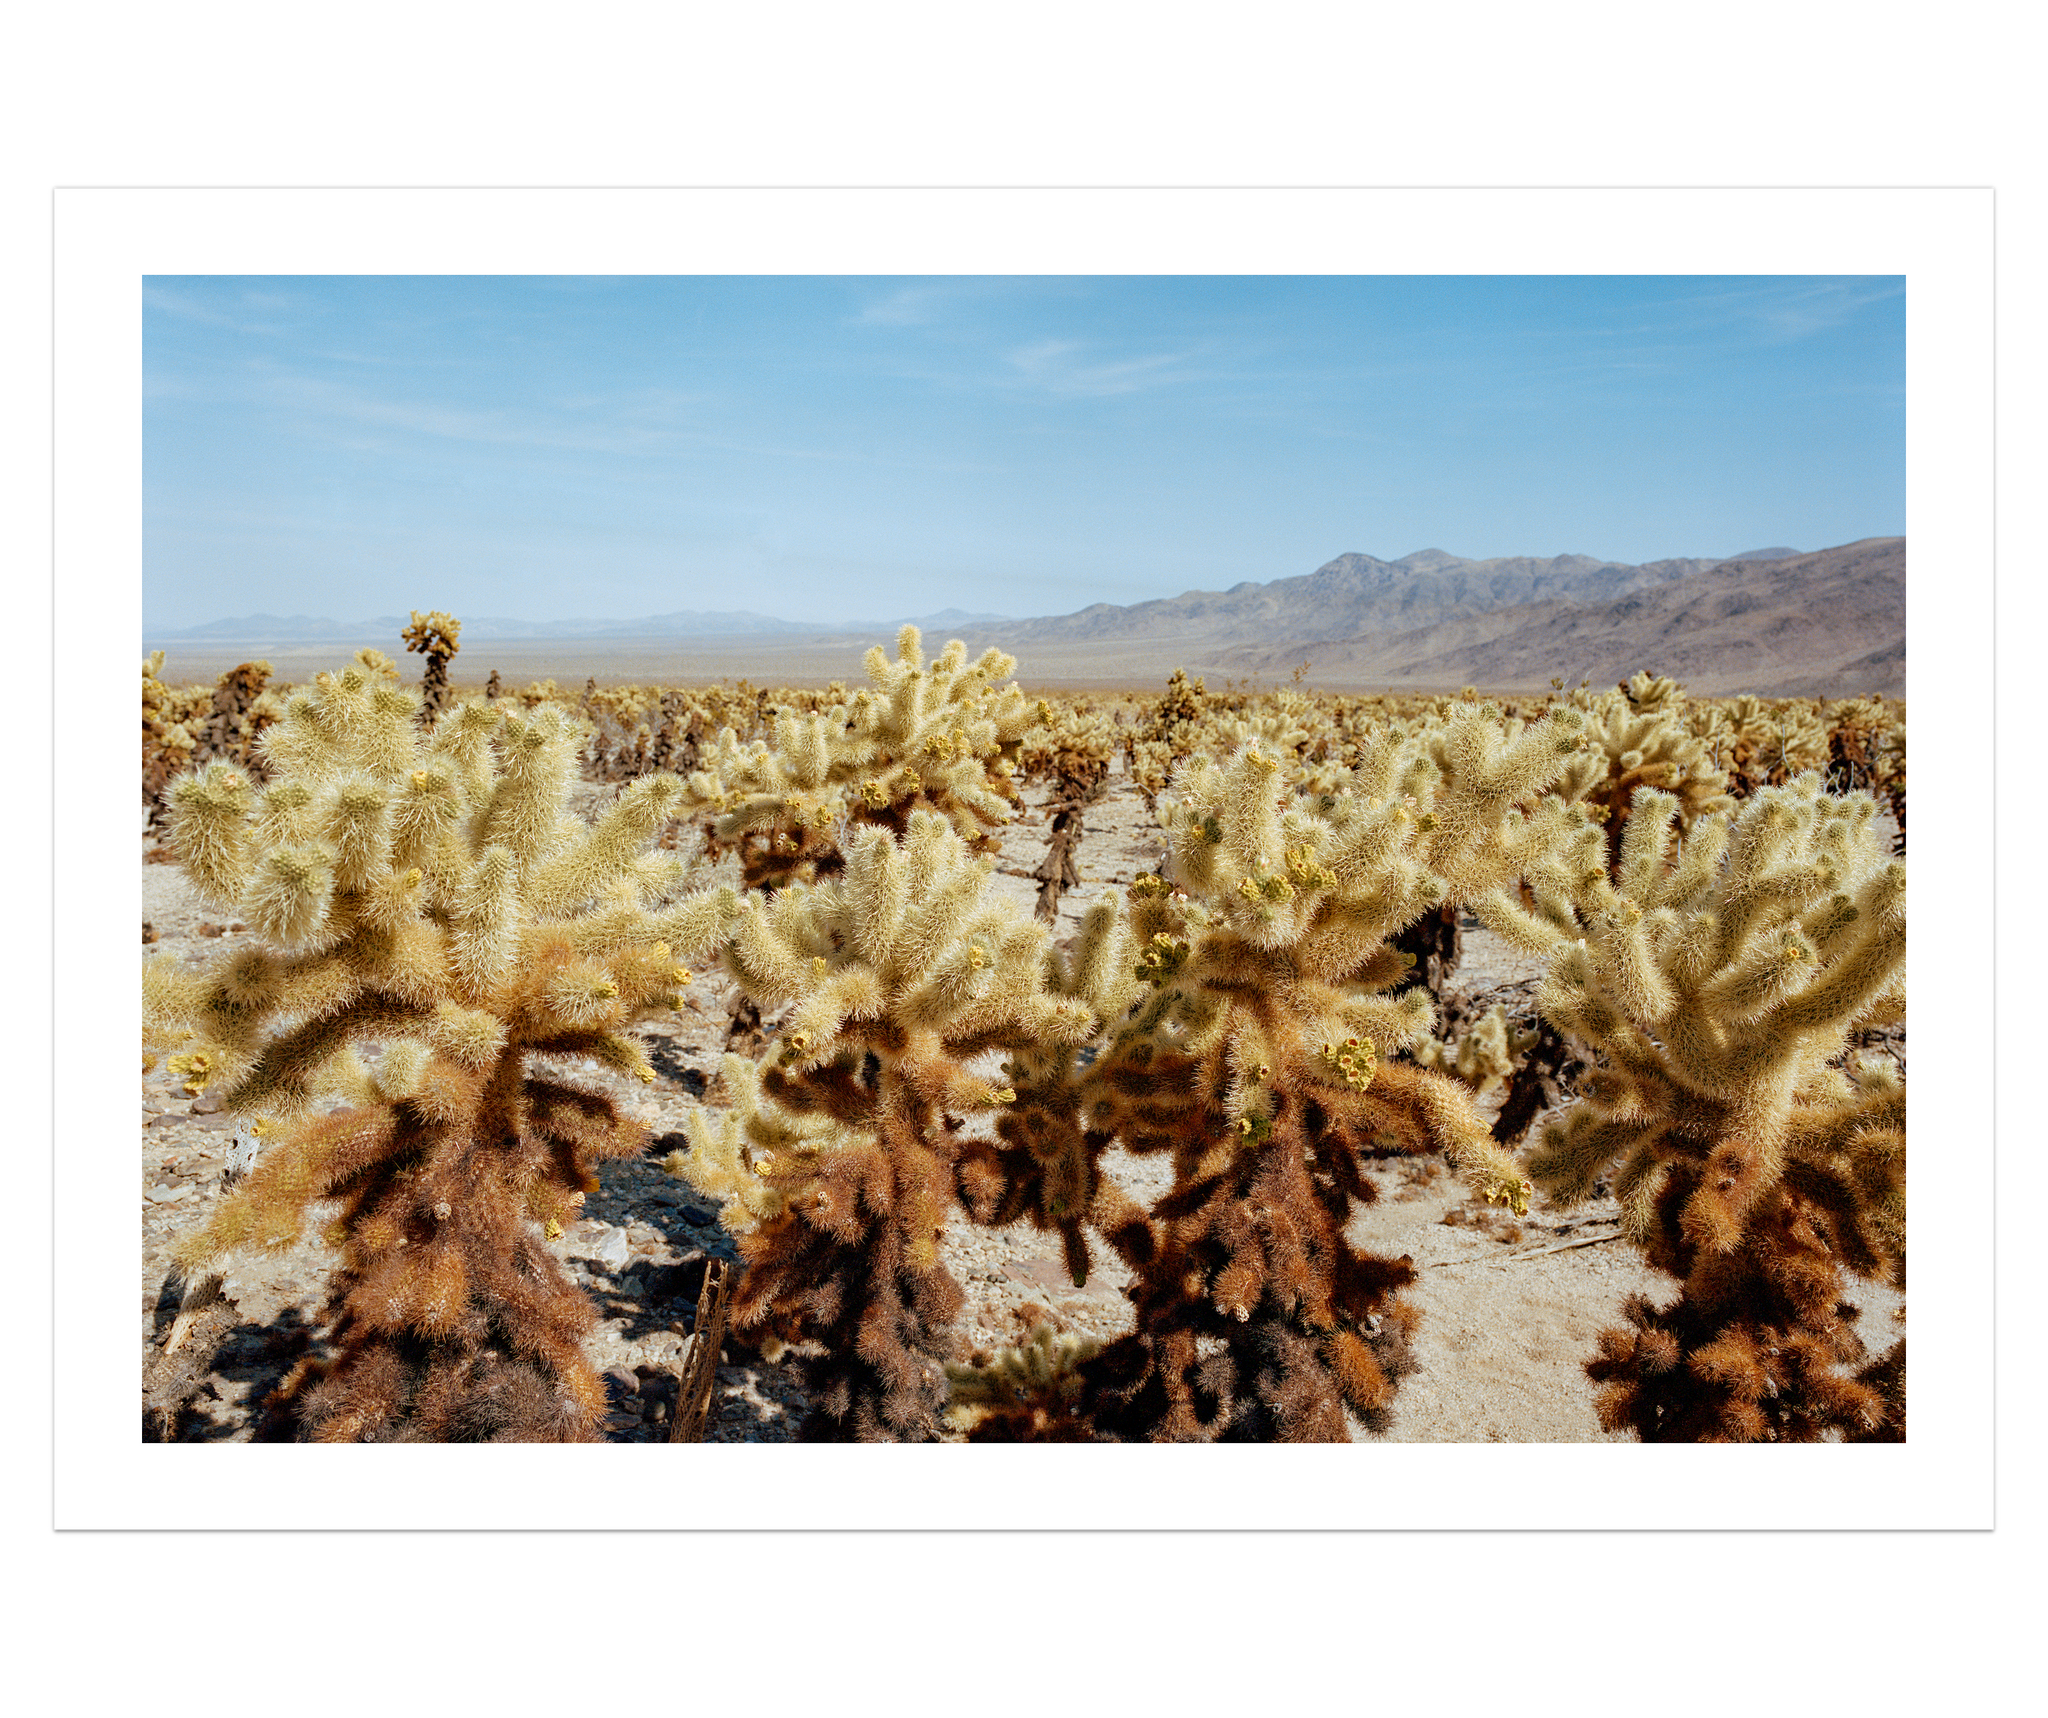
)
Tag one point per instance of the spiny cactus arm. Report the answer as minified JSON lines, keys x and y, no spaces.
{"x":388,"y":742}
{"x":566,"y":1113}
{"x":1575,"y":998}
{"x":970,"y":804}
{"x":286,"y":814}
{"x":1751,"y":906}
{"x":774,"y":948}
{"x":461,"y":745}
{"x":699,"y":923}
{"x":209,"y":831}
{"x":1646,"y":846}
{"x":1575,"y":1150}
{"x":558,"y":986}
{"x":285,"y":1077}
{"x":1484,"y":769}
{"x":353,"y":819}
{"x":487,"y":917}
{"x":851,"y":996}
{"x":1536,"y":932}
{"x":301,"y":1164}
{"x":352,"y":720}
{"x":536,"y":755}
{"x":222,"y":1010}
{"x":290,"y":894}
{"x":1369,"y":849}
{"x":917,"y":913}
{"x":1098,"y":969}
{"x":1387,"y":1025}
{"x":172,"y":992}
{"x":295,"y":744}
{"x":606,"y":853}
{"x":727,"y":1147}
{"x":1849,"y":1157}
{"x":1453,"y":1124}
{"x":1853,"y":983}
{"x":1348,"y":938}
{"x":804,"y":743}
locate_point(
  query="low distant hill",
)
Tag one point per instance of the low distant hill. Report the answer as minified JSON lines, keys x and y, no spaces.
{"x":493,"y":629}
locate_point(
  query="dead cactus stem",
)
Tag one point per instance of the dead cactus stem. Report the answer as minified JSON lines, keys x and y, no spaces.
{"x":850,"y":1274}
{"x":1255,"y":1316}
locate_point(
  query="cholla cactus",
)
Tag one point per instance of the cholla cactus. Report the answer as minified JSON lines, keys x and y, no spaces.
{"x":426,"y":891}
{"x":1069,"y":747}
{"x":1717,"y":991}
{"x":1485,"y":1056}
{"x":1637,"y":738}
{"x":941,"y":738}
{"x":1027,"y":1394}
{"x":1179,"y":711}
{"x":1867,"y":749}
{"x":1649,"y":692}
{"x":1045,"y":1164}
{"x":241,"y":709}
{"x":1266,"y":1059}
{"x":434,"y":634}
{"x":837,"y":1169}
{"x":167,"y":742}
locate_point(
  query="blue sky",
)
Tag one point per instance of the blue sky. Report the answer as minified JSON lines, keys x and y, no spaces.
{"x":849,"y":449}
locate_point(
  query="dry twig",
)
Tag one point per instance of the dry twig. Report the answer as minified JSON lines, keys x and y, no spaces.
{"x":699,"y":1369}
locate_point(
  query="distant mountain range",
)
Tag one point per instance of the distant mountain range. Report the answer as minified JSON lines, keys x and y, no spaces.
{"x":1356,"y":596}
{"x":1827,"y":624}
{"x":1830,"y":622}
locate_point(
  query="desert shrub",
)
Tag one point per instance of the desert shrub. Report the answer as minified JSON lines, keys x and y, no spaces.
{"x":425,"y":891}
{"x":835,"y":1162}
{"x":1636,"y":738}
{"x":1716,"y":990}
{"x":941,"y":738}
{"x":434,"y":635}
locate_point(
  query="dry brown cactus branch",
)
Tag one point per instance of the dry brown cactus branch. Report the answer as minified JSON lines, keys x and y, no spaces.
{"x":698,"y":1373}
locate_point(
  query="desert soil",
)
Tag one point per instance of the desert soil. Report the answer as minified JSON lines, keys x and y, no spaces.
{"x":1510,"y":1309}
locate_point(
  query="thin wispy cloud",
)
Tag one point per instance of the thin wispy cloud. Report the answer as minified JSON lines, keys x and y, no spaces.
{"x":166,"y":302}
{"x":314,"y":399}
{"x":1773,"y":311}
{"x":907,"y":307}
{"x":1066,"y":368}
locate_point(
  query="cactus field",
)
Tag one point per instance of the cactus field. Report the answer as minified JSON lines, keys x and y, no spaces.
{"x":1161,"y":1064}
